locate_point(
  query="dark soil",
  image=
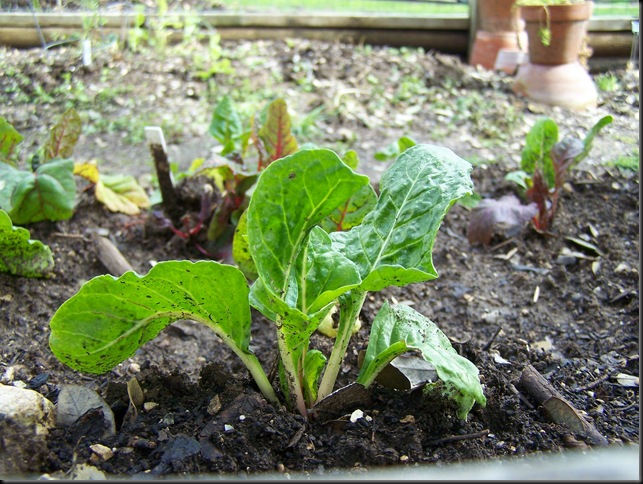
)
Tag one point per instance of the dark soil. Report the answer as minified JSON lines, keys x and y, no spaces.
{"x":575,"y":318}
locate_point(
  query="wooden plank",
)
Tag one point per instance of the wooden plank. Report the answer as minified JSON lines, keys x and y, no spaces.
{"x":227,"y":19}
{"x":319,"y":20}
{"x":452,"y":42}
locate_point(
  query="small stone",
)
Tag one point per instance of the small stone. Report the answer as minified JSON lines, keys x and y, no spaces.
{"x":214,"y":406}
{"x":27,"y":407}
{"x":102,"y":451}
{"x":149,"y":406}
{"x":134,"y":368}
{"x":404,"y":458}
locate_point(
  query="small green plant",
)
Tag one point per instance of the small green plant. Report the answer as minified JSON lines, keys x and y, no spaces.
{"x":19,"y":254}
{"x":303,"y":271}
{"x":238,"y":172}
{"x":47,"y":190}
{"x":607,"y":82}
{"x":545,"y":164}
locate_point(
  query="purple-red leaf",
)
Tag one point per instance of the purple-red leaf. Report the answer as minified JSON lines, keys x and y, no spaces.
{"x":275,"y":134}
{"x":490,"y":215}
{"x":63,"y":136}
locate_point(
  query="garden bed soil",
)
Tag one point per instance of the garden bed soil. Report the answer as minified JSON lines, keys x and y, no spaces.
{"x":569,"y":311}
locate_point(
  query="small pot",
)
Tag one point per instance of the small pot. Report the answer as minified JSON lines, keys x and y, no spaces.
{"x":568,"y":26}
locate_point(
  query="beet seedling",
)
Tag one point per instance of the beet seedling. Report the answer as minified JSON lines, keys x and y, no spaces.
{"x":302,"y":272}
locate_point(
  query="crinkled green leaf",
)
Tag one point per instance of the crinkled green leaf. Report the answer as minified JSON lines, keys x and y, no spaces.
{"x":46,"y":194}
{"x":9,"y":139}
{"x":292,"y":196}
{"x":110,"y":318}
{"x":352,"y":212}
{"x":63,"y":136}
{"x":20,"y":255}
{"x":394,"y":243}
{"x":397,"y":329}
{"x":324,"y":273}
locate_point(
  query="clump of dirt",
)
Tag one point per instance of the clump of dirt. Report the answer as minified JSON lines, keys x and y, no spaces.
{"x":569,"y":311}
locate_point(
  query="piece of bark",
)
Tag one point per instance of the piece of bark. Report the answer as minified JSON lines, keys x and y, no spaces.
{"x":111,"y":257}
{"x":556,"y":407}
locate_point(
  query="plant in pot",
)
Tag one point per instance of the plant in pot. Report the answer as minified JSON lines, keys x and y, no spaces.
{"x":554,"y":75}
{"x":500,"y":29}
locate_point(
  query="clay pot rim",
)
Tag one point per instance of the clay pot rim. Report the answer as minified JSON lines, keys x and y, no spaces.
{"x":573,"y":12}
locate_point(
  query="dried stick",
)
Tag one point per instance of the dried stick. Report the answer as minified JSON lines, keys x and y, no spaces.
{"x":557,"y":408}
{"x":111,"y":257}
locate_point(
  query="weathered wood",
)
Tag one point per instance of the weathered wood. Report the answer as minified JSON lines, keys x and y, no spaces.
{"x":227,"y":19}
{"x":451,"y":42}
{"x":608,"y":37}
{"x":111,"y":257}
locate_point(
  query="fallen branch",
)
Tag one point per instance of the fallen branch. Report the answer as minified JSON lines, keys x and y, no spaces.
{"x":556,"y":407}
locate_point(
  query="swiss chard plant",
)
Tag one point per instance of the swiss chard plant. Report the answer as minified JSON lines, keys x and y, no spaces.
{"x":302,"y":272}
{"x":46,"y":190}
{"x":545,"y":165}
{"x":247,"y":149}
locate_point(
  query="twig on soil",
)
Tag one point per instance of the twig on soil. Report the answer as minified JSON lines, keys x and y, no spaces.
{"x":457,"y":438}
{"x":111,"y":257}
{"x":493,"y":338}
{"x":557,"y":408}
{"x":591,"y":385}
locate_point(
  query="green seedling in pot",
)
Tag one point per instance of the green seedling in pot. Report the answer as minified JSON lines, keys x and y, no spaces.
{"x":302,"y":271}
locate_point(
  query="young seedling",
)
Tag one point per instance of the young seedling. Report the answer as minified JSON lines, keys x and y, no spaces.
{"x":302,"y":271}
{"x":47,"y":190}
{"x":545,"y":164}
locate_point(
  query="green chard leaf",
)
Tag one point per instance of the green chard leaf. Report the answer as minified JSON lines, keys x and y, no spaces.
{"x":226,"y":126}
{"x":537,"y":152}
{"x":394,"y":243}
{"x":46,"y":194}
{"x":398,"y":329}
{"x":291,"y":197}
{"x":63,"y":136}
{"x":19,"y":255}
{"x":110,"y":318}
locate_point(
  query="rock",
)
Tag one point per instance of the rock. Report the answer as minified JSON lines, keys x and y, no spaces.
{"x":27,"y":407}
{"x":74,"y":401}
{"x":27,"y":418}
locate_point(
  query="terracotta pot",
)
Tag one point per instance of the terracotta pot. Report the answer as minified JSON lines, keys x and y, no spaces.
{"x":501,"y":28}
{"x":568,"y":25}
{"x":499,"y":16}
